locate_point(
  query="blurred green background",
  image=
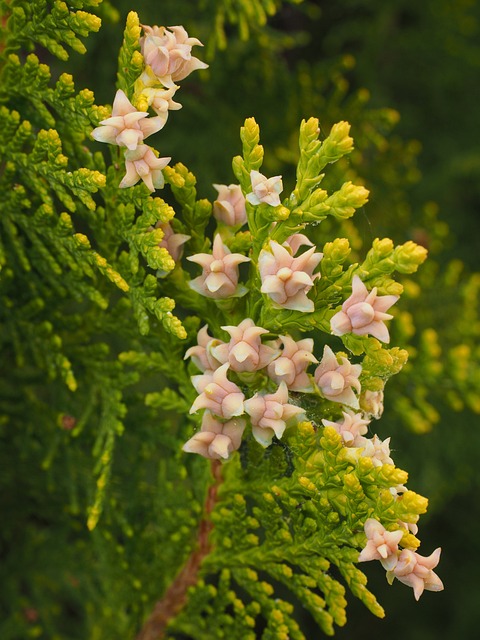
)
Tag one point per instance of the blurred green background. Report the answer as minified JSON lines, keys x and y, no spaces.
{"x":406,"y":75}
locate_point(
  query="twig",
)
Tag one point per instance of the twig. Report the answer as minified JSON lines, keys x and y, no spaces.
{"x":175,"y":597}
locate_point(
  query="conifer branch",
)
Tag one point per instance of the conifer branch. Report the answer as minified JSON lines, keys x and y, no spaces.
{"x":176,"y":595}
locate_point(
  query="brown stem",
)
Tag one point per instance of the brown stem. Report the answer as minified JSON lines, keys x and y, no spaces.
{"x":3,"y":22}
{"x":175,"y":597}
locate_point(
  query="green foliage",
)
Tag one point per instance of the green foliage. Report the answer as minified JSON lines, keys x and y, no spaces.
{"x":95,"y":403}
{"x":49,"y":24}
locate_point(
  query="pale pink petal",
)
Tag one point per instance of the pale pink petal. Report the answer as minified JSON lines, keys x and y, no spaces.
{"x":131,"y":177}
{"x":121,"y":104}
{"x":105,"y":134}
{"x":152,"y":125}
{"x":232,"y":405}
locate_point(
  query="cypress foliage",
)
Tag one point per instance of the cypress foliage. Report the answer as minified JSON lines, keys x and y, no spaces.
{"x":97,"y":398}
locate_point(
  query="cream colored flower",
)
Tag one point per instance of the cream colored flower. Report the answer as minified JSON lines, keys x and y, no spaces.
{"x":229,"y":207}
{"x":161,"y":101}
{"x":171,"y":241}
{"x":220,"y":272}
{"x":216,"y":439}
{"x":245,"y":351}
{"x":376,"y":449}
{"x":265,"y":189}
{"x":416,"y":571}
{"x":201,"y":353}
{"x":287,"y":280}
{"x":292,"y":363}
{"x":218,"y":394}
{"x":126,"y":126}
{"x":168,"y":53}
{"x":352,"y":426}
{"x":337,"y":381}
{"x":372,"y":403}
{"x":363,"y":313}
{"x":269,"y":414}
{"x":381,"y":544}
{"x":143,"y":164}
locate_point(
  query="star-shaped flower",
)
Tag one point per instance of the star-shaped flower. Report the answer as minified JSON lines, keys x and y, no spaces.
{"x":287,"y":280}
{"x":220,"y":272}
{"x":363,"y":313}
{"x":216,"y":439}
{"x":269,"y":414}
{"x":218,"y":394}
{"x":337,"y":380}
{"x":201,"y":353}
{"x":168,"y":53}
{"x":292,"y":363}
{"x":229,"y":207}
{"x":245,"y":351}
{"x":126,"y":126}
{"x":265,"y":189}
{"x":171,"y":241}
{"x":352,"y":426}
{"x":416,"y":571}
{"x":142,"y":163}
{"x":381,"y":544}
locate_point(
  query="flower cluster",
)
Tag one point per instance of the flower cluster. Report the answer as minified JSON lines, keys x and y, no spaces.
{"x":253,"y":379}
{"x":406,"y":565}
{"x":242,"y":356}
{"x":281,"y":363}
{"x":168,"y":59}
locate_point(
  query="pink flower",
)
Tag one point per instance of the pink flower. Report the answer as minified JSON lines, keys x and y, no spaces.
{"x":352,"y":426}
{"x":220,"y":272}
{"x":363,"y":313}
{"x":171,"y":241}
{"x":229,"y":207}
{"x":381,"y":544}
{"x":217,"y":394}
{"x":161,"y":100}
{"x":337,"y":381}
{"x":417,"y":572}
{"x":201,"y":354}
{"x":376,"y":449}
{"x":265,"y":189}
{"x":291,"y":366}
{"x":372,"y":403}
{"x":269,"y":414}
{"x":287,"y":280}
{"x":216,"y":439}
{"x":168,"y":53}
{"x":126,"y":126}
{"x":143,"y":164}
{"x":245,"y":351}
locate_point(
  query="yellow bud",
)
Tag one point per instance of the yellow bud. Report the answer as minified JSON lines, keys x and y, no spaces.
{"x":409,"y":256}
{"x":307,"y":484}
{"x":383,"y":247}
{"x":281,"y":213}
{"x":340,"y":135}
{"x":141,"y":102}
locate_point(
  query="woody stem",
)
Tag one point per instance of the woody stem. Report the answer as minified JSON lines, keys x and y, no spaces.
{"x":175,"y":597}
